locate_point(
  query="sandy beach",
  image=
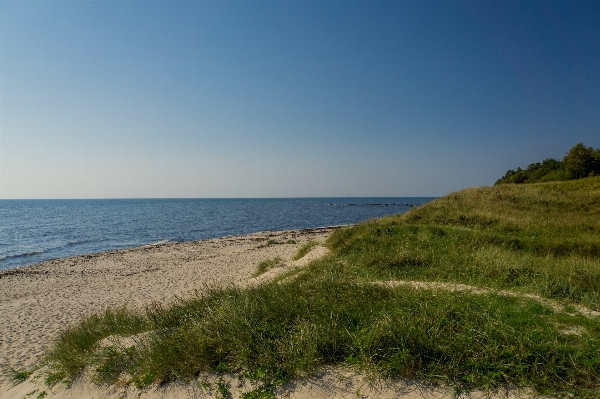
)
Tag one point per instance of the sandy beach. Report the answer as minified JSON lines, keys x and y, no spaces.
{"x":38,"y":301}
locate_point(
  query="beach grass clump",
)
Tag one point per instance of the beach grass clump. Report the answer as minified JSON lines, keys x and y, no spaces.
{"x":267,"y":265}
{"x":77,"y":345}
{"x":357,"y":308}
{"x":304,"y":249}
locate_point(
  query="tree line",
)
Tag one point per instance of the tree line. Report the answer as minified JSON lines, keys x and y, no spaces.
{"x":580,"y":161}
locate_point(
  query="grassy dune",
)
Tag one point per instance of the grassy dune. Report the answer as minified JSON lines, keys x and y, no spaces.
{"x":533,"y":251}
{"x":542,"y":238}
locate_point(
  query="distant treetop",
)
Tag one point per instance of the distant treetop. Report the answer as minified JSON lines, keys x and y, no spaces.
{"x":580,"y":161}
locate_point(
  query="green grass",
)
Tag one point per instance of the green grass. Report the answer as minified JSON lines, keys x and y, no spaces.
{"x":267,"y":265}
{"x":77,"y":345}
{"x":539,"y":239}
{"x":304,"y":250}
{"x":589,"y":184}
{"x":19,"y":376}
{"x":506,"y":237}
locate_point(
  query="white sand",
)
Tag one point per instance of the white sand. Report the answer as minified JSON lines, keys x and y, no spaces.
{"x":37,"y":301}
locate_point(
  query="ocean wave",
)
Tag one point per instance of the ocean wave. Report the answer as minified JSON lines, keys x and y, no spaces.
{"x":22,"y":255}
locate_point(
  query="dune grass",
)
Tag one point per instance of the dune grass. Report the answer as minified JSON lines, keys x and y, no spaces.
{"x":304,"y":250}
{"x":507,"y":237}
{"x":526,"y":239}
{"x":267,"y":265}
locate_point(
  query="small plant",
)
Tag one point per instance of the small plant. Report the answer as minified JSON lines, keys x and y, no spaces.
{"x":223,"y":391}
{"x":260,"y":392}
{"x":267,"y":265}
{"x":42,"y":395}
{"x":205,"y":385}
{"x":290,"y":242}
{"x":265,"y":382}
{"x":271,"y":242}
{"x":20,"y":376}
{"x":222,"y":367}
{"x":304,"y":250}
{"x":54,"y":378}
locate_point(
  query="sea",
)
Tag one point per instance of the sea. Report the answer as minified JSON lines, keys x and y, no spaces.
{"x":32,"y":231}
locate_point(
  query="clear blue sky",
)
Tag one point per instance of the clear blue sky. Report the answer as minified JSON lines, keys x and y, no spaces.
{"x":104,"y":99}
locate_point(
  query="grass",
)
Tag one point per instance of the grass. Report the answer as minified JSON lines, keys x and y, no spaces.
{"x":304,"y":250}
{"x":77,"y":345}
{"x":19,"y":376}
{"x":537,"y":239}
{"x":589,"y":184}
{"x":505,"y":237}
{"x":267,"y":265}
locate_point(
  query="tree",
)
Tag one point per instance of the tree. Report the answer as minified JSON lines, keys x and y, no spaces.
{"x":580,"y":161}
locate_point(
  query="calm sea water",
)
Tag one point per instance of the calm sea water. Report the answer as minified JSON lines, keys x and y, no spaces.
{"x":32,"y":231}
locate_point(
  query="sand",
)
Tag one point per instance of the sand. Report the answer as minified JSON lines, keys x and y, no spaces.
{"x":38,"y":301}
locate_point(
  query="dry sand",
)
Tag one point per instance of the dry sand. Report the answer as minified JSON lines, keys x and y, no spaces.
{"x":37,"y":301}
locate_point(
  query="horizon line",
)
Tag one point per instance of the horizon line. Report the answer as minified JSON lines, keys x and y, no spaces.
{"x":206,"y":198}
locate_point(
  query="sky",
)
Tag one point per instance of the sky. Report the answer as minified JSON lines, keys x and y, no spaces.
{"x":198,"y":99}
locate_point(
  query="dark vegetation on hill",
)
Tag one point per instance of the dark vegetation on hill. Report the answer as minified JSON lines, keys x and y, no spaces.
{"x":382,"y":303}
{"x":580,"y":161}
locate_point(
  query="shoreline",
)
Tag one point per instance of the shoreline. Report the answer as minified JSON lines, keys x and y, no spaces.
{"x":154,"y":243}
{"x":11,"y":269}
{"x":38,"y":301}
